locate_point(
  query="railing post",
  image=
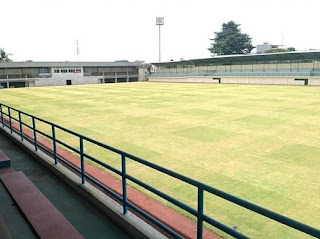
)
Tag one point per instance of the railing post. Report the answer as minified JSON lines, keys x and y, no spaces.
{"x":124,"y":184}
{"x":200,"y":214}
{"x":34,"y":134}
{"x":2,"y":121}
{"x":10,"y":123}
{"x":20,"y":123}
{"x":83,"y":179}
{"x":54,"y":145}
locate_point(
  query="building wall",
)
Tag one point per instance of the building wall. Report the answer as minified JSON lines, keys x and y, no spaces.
{"x":61,"y":78}
{"x":143,"y":75}
{"x":239,"y":80}
{"x":56,"y":81}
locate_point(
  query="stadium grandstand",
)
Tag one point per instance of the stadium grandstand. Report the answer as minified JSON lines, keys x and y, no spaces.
{"x":290,"y":68}
{"x":28,"y":74}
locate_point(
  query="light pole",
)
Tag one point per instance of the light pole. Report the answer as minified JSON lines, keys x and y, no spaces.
{"x":159,"y":22}
{"x":77,"y":49}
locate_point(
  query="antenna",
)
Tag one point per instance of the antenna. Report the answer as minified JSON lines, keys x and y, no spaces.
{"x":77,"y":49}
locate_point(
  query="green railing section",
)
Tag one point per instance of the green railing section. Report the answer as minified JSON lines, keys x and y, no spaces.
{"x":16,"y":125}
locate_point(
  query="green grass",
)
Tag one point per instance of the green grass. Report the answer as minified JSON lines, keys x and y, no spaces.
{"x":260,"y":143}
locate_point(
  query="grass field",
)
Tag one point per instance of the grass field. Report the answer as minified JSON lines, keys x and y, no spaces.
{"x":261,"y":143}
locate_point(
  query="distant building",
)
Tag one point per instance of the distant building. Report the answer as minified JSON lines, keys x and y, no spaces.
{"x":267,"y":47}
{"x":28,"y":74}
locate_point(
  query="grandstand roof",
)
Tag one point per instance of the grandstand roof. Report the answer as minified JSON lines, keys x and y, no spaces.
{"x":68,"y":64}
{"x":229,"y":59}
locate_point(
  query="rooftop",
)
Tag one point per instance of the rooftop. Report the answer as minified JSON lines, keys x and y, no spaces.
{"x":229,"y":59}
{"x":69,"y":64}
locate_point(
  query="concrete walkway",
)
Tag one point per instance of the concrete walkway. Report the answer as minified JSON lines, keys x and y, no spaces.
{"x":83,"y":216}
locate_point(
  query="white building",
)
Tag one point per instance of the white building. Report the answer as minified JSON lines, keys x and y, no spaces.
{"x":267,"y":47}
{"x":28,"y":74}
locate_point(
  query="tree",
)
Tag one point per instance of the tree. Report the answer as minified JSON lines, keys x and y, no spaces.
{"x":230,"y":41}
{"x":4,"y":57}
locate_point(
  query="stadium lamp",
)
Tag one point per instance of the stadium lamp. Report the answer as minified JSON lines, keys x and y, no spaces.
{"x":160,"y":22}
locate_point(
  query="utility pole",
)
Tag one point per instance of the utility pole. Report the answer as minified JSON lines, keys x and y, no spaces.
{"x":160,"y":22}
{"x":77,"y":49}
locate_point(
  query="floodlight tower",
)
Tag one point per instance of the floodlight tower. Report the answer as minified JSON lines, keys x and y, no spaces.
{"x":160,"y":22}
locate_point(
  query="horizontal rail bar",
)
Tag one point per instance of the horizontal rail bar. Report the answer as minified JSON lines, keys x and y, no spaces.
{"x":165,"y":171}
{"x":15,"y":130}
{"x":102,"y":186}
{"x":44,"y":121}
{"x":224,"y":228}
{"x":66,"y":162}
{"x":102,"y":164}
{"x":265,"y":212}
{"x":44,"y":134}
{"x":163,"y":195}
{"x":68,"y":146}
{"x":28,"y":126}
{"x":155,"y":221}
{"x":14,"y":118}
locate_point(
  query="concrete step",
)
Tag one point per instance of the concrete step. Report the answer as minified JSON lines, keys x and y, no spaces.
{"x":46,"y":220}
{"x":4,"y":160}
{"x":4,"y":233}
{"x":6,"y":170}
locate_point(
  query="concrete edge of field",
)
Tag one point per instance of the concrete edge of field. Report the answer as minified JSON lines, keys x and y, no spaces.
{"x":129,"y":222}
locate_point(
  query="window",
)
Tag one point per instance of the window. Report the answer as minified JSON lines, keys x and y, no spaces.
{"x":56,"y":70}
{"x":78,"y":70}
{"x":64,"y":70}
{"x":72,"y":70}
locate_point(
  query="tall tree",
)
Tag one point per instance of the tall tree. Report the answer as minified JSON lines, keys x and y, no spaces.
{"x":230,"y":41}
{"x":4,"y":57}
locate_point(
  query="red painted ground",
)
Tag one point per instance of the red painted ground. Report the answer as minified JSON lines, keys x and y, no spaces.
{"x":178,"y":222}
{"x":46,"y":220}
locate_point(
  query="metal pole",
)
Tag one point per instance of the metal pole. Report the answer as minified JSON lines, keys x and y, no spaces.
{"x":34,"y":134}
{"x":54,"y":145}
{"x":124,"y":184}
{"x":2,"y":121}
{"x":200,"y":214}
{"x":10,"y":122}
{"x":159,"y":43}
{"x":83,"y":179}
{"x":21,"y":129}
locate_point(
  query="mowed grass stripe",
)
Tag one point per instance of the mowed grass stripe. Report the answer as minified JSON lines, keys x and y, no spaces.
{"x":260,"y":143}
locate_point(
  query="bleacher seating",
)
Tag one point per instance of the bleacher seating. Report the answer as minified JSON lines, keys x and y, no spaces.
{"x":45,"y":219}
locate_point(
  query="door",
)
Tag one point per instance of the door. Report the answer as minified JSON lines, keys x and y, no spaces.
{"x":301,"y":81}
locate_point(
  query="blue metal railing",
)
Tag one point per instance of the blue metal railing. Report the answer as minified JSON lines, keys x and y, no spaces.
{"x":6,"y":121}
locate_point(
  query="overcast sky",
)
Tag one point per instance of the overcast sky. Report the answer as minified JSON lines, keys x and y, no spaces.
{"x":109,"y":30}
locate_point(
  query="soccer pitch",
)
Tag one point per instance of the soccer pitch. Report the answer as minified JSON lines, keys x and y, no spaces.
{"x":260,"y":143}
